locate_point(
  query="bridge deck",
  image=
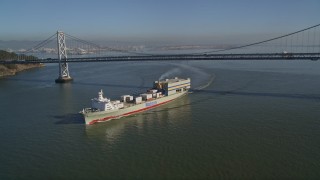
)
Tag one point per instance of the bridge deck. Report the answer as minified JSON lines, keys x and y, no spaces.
{"x":202,"y":57}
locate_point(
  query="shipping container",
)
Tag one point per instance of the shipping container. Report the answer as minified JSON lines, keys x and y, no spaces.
{"x":138,"y":99}
{"x":129,"y":98}
{"x":123,"y":98}
{"x":146,"y":96}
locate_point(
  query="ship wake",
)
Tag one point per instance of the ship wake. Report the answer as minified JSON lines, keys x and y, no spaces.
{"x":201,"y":79}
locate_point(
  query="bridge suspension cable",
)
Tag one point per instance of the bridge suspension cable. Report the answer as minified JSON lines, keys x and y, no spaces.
{"x":264,"y":41}
{"x":42,"y":43}
{"x":104,"y":47}
{"x":26,"y":54}
{"x":304,"y":43}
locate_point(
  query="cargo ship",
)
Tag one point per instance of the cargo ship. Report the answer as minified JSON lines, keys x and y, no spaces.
{"x":163,"y":91}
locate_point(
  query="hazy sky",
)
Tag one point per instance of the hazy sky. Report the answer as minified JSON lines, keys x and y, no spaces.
{"x":152,"y":19}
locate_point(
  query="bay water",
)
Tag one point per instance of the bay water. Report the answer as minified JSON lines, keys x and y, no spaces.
{"x":243,"y":119}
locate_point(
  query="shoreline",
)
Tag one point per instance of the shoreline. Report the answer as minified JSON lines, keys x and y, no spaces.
{"x":13,"y":69}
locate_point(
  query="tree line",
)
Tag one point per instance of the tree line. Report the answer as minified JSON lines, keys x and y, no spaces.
{"x":4,"y":55}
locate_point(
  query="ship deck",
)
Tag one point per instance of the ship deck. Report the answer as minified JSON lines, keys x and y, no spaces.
{"x":128,"y":104}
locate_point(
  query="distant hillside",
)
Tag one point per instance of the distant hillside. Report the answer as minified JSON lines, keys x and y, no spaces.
{"x":17,"y":44}
{"x":12,"y":69}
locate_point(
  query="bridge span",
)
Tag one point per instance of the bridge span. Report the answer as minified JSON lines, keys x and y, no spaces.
{"x":299,"y":45}
{"x":202,"y":57}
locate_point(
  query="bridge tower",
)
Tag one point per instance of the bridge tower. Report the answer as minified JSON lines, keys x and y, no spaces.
{"x":64,"y":75}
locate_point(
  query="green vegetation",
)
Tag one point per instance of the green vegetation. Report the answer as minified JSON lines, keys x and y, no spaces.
{"x":4,"y":55}
{"x":12,"y":69}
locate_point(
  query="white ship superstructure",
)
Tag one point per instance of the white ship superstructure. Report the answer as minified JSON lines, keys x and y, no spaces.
{"x":103,"y":109}
{"x":105,"y":104}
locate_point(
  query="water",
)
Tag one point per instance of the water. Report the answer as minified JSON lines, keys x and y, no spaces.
{"x":257,"y":119}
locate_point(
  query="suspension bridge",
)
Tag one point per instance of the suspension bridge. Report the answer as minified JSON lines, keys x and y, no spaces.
{"x":303,"y":44}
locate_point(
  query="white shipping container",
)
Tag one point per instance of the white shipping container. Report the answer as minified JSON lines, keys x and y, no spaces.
{"x":146,"y":96}
{"x":152,"y":90}
{"x":129,"y":98}
{"x":138,"y":99}
{"x":123,"y":97}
